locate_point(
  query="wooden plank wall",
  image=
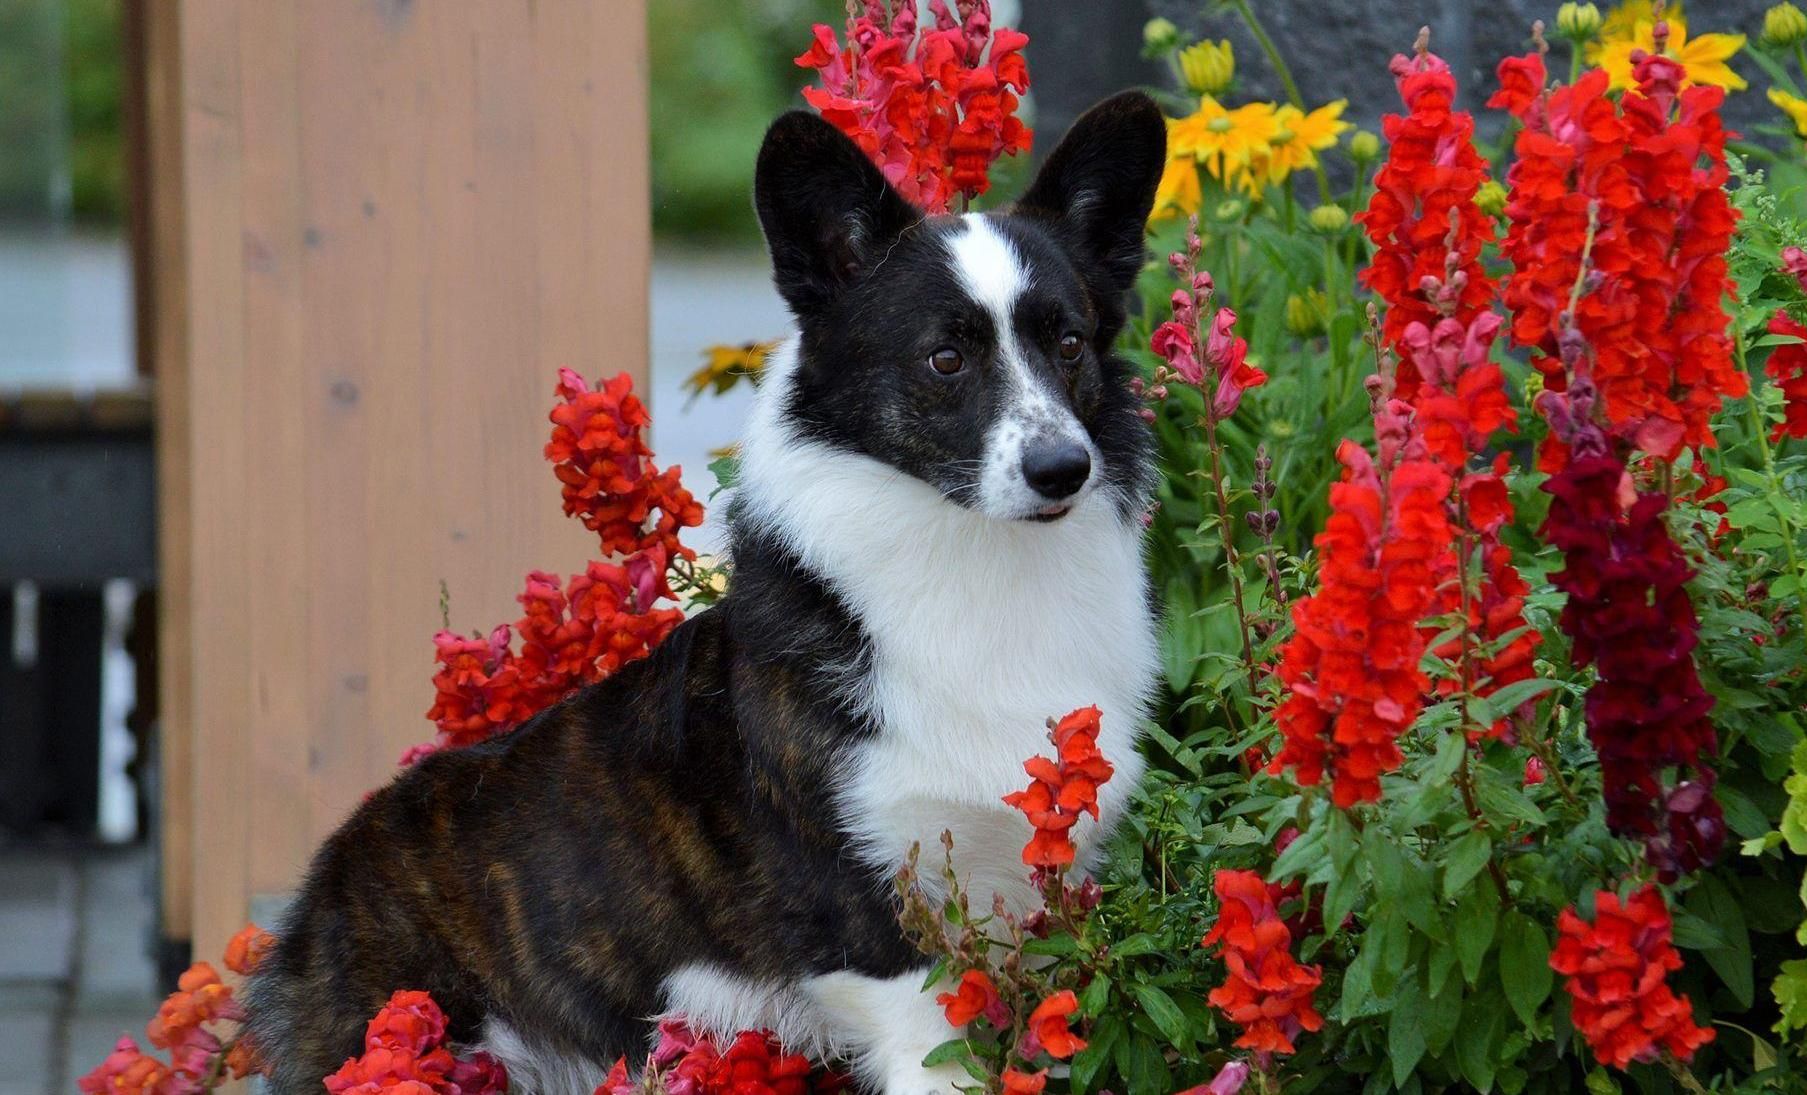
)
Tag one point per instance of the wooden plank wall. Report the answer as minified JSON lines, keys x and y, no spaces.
{"x":390,"y":222}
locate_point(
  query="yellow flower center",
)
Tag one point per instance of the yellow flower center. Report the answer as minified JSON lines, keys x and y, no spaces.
{"x":1219,"y":125}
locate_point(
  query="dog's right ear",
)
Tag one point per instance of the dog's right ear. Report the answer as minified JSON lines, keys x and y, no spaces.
{"x":827,"y":212}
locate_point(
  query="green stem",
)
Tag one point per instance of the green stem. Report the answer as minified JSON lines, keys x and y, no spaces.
{"x":1273,"y":53}
{"x":1286,"y":78}
{"x":1228,"y":532}
{"x":1574,"y":61}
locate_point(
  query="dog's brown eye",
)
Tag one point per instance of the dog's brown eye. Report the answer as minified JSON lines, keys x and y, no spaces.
{"x":1071,"y":346}
{"x":947,"y":361}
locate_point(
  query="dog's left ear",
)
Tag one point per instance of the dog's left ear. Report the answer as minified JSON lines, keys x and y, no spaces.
{"x":1097,"y":188}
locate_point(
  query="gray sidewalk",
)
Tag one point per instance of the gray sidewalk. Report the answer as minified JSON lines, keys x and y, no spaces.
{"x":75,"y":962}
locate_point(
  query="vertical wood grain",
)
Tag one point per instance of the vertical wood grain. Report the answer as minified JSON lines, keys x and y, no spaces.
{"x":162,"y":289}
{"x":397,"y":220}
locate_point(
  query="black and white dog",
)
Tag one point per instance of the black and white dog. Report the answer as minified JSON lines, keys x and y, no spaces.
{"x":936,"y":545}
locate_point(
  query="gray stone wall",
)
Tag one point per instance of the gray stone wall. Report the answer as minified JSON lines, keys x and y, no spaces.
{"x":1082,"y":50}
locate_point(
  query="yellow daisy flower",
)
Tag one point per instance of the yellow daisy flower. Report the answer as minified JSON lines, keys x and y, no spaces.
{"x":1178,"y":194}
{"x":724,"y":366}
{"x":1301,"y":136}
{"x":1703,"y":58}
{"x":1621,"y":24}
{"x":1225,"y":141}
{"x":1793,"y":106}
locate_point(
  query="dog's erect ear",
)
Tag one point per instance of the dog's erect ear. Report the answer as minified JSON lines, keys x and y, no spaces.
{"x":827,"y":212}
{"x":1098,"y":185}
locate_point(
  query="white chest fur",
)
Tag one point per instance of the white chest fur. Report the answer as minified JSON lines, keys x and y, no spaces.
{"x":982,"y":629}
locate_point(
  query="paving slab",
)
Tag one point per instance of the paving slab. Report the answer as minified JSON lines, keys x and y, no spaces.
{"x":37,"y":916}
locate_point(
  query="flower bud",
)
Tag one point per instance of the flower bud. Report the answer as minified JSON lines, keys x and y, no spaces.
{"x":1533,"y":387}
{"x":1160,"y":36}
{"x":1578,"y":22}
{"x":1208,"y":67}
{"x":1784,"y":25}
{"x":1328,"y":219}
{"x":1306,"y":313}
{"x":1363,"y":146}
{"x":1227,"y":210}
{"x":1491,"y":198}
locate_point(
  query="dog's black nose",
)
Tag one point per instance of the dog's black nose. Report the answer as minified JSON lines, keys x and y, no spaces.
{"x":1057,"y":469}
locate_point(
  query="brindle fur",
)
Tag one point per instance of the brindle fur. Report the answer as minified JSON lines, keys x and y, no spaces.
{"x":553,"y":876}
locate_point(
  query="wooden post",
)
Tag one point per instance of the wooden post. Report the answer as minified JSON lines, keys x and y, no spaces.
{"x":388,"y":224}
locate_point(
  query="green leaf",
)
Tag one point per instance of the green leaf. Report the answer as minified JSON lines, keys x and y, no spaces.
{"x":1131,"y":946}
{"x":1501,"y":800}
{"x":1476,"y":914}
{"x":1442,"y":964}
{"x":1300,"y":855}
{"x":1524,"y":964}
{"x":1406,"y":1041}
{"x":1790,"y":991}
{"x":951,"y":1050}
{"x":726,"y":470}
{"x":1096,"y":995}
{"x":1166,"y":1014}
{"x":1694,"y":934}
{"x":1483,"y":1020}
{"x":1443,"y":1014}
{"x":1467,"y":856}
{"x":936,"y":972}
{"x":1449,"y":757}
{"x":1147,"y":1072}
{"x":1490,"y":709}
{"x":1057,"y":946}
{"x":1358,"y":988}
{"x":1714,"y":903}
{"x":1088,"y":1061}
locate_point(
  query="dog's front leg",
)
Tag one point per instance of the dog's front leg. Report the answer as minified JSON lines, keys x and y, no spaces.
{"x":887,"y":1025}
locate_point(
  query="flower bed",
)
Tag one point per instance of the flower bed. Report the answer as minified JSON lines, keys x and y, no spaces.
{"x":1481,"y":761}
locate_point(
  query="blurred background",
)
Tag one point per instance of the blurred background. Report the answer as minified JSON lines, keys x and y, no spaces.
{"x":283,"y":287}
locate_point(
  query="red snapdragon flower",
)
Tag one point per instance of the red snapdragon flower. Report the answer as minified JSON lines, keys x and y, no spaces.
{"x":1427,"y":230}
{"x":1267,"y":992}
{"x":1063,"y":788}
{"x":1648,"y":172}
{"x":1787,"y":366}
{"x":599,"y":453}
{"x":247,"y":948}
{"x":203,"y":1053}
{"x":932,"y":108}
{"x":1794,"y":264}
{"x":577,"y":631}
{"x":405,"y":1054}
{"x":687,"y":1063}
{"x":1215,"y":359}
{"x":1428,"y":235}
{"x":1024,"y":1083}
{"x":1351,"y":668}
{"x":1048,"y":1025}
{"x":1617,"y":979}
{"x":1629,"y":616}
{"x":973,"y":997}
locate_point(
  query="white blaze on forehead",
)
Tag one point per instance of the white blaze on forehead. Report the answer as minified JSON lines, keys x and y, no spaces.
{"x":990,"y":269}
{"x":993,"y":275}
